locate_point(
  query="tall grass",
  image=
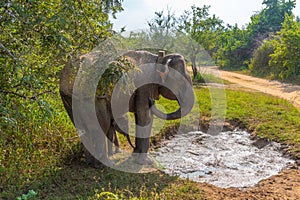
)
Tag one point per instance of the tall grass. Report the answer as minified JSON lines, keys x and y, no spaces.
{"x":34,"y":144}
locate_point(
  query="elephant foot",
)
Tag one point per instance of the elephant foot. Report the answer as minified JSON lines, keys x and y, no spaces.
{"x":117,"y":150}
{"x":107,"y":162}
{"x":143,"y":159}
{"x":103,"y":162}
{"x":111,"y":153}
{"x":99,"y":164}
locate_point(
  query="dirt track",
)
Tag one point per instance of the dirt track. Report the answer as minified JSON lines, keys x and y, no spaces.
{"x":286,"y":91}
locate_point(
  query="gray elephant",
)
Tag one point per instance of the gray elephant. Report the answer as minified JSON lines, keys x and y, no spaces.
{"x":167,"y":84}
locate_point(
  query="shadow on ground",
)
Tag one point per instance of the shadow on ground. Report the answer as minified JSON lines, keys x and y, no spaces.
{"x":78,"y":180}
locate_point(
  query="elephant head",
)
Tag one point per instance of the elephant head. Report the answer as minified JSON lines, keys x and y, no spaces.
{"x":173,"y":74}
{"x":173,"y":81}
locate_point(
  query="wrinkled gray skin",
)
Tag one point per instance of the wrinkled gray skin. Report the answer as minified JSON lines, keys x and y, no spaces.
{"x":103,"y":111}
{"x":142,"y":101}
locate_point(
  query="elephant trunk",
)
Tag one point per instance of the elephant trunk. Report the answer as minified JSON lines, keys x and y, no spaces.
{"x":182,"y":111}
{"x":170,"y":116}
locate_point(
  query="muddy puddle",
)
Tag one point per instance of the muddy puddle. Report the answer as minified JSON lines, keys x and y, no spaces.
{"x":229,"y":159}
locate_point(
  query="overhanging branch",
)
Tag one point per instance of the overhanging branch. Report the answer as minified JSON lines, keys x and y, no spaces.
{"x":34,"y":97}
{"x":8,"y":52}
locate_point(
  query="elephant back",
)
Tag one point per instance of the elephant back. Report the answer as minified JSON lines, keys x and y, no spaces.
{"x":141,"y":57}
{"x":107,"y":76}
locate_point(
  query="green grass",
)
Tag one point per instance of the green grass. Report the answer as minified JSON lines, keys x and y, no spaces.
{"x":46,"y":158}
{"x":265,"y":115}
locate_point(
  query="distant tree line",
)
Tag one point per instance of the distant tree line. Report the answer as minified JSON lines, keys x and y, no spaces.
{"x":268,"y":45}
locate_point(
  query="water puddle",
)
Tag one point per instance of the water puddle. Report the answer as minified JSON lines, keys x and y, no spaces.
{"x":229,"y":159}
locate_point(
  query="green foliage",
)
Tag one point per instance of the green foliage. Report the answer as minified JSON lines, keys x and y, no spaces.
{"x":278,"y":57}
{"x":37,"y":38}
{"x":269,"y":20}
{"x":285,"y":61}
{"x":238,"y":45}
{"x":233,"y":51}
{"x":260,"y":62}
{"x":273,"y":15}
{"x":117,"y":69}
{"x":30,"y":195}
{"x":201,"y":30}
{"x":198,"y":78}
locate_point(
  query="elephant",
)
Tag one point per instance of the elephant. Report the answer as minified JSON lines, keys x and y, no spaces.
{"x":142,"y":102}
{"x":110,"y":126}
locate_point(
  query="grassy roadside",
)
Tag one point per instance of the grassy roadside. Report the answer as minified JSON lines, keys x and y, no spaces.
{"x":52,"y":167}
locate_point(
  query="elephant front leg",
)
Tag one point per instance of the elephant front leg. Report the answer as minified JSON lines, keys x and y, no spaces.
{"x":144,"y":122}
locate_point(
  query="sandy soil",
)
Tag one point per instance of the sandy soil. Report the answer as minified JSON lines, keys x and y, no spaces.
{"x":286,"y":91}
{"x":285,"y":185}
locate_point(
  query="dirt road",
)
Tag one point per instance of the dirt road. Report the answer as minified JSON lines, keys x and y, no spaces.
{"x":286,"y":91}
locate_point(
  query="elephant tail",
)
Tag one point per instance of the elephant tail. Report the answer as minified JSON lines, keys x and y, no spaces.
{"x":124,"y":133}
{"x":129,"y":140}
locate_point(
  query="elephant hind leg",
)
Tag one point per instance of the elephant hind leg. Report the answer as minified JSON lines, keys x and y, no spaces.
{"x":116,"y":143}
{"x":112,"y":140}
{"x":110,"y":137}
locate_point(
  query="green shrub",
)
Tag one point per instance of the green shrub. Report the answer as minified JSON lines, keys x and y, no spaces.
{"x":198,"y":78}
{"x":259,"y":64}
{"x":285,"y":61}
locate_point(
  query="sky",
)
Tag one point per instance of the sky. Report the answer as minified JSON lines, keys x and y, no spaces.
{"x":137,"y":12}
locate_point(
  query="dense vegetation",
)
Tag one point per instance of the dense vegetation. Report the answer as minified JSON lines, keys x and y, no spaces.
{"x":37,"y":38}
{"x":279,"y":56}
{"x":37,"y":139}
{"x":267,"y":46}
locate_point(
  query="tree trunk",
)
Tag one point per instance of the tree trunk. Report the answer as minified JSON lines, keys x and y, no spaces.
{"x":194,"y":67}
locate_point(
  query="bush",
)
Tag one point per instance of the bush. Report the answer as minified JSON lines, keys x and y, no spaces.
{"x":285,"y":61}
{"x":198,"y":78}
{"x":259,"y":64}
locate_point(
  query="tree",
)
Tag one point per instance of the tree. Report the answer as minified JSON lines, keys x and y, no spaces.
{"x":202,"y":31}
{"x":285,"y":61}
{"x":233,"y":51}
{"x":162,"y":30}
{"x":260,"y":62}
{"x":269,"y":20}
{"x":239,"y":45}
{"x":37,"y":38}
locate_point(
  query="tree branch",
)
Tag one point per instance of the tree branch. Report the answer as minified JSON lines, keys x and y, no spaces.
{"x":25,"y":97}
{"x":8,"y":52}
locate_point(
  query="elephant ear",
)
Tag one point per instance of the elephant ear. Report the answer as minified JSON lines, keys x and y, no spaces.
{"x":179,"y":64}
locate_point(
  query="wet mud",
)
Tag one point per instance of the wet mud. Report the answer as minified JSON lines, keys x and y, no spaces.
{"x":228,"y":159}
